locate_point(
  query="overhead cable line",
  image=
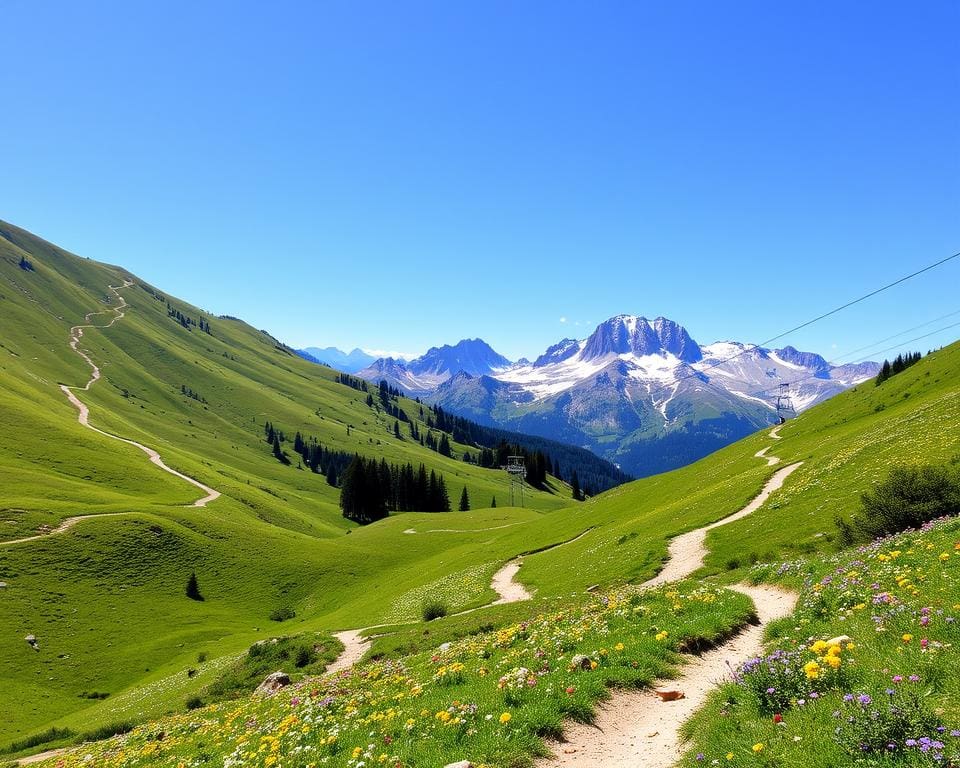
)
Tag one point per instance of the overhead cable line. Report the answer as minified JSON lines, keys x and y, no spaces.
{"x":899,"y":345}
{"x":818,"y":318}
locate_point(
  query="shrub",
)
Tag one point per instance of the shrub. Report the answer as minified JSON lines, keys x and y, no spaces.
{"x":434,"y":609}
{"x":305,"y":655}
{"x":44,"y":737}
{"x":909,"y":497}
{"x":194,"y":702}
{"x":283,"y":613}
{"x":106,"y":731}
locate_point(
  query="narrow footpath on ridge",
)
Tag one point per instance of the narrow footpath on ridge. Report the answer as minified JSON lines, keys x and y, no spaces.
{"x":76,"y":333}
{"x":636,"y":728}
{"x":83,"y":417}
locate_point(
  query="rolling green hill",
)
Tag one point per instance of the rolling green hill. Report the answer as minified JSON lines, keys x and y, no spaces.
{"x":106,"y":598}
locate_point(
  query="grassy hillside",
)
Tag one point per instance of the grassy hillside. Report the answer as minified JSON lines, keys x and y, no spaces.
{"x":106,"y":598}
{"x":509,"y":674}
{"x":275,"y":538}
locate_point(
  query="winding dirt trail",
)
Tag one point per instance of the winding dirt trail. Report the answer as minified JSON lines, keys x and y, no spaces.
{"x":83,"y":417}
{"x":64,"y":526}
{"x":502,"y":582}
{"x":83,"y":412}
{"x":636,"y":728}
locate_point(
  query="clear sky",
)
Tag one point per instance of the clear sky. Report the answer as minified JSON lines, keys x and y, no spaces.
{"x":398,"y":175}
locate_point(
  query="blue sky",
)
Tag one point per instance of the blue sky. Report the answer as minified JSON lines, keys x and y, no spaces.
{"x":398,"y":175}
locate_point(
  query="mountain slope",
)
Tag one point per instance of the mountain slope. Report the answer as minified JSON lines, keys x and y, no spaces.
{"x":641,"y":393}
{"x":844,"y":445}
{"x":106,"y":597}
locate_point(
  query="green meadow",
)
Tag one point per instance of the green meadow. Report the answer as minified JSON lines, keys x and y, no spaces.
{"x":106,"y":598}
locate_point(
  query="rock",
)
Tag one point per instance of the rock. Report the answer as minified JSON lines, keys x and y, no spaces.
{"x":445,"y":646}
{"x":669,"y":695}
{"x":273,"y":683}
{"x":3,"y":585}
{"x":839,"y":640}
{"x":32,"y":642}
{"x":593,"y":588}
{"x":581,"y":662}
{"x":461,"y":764}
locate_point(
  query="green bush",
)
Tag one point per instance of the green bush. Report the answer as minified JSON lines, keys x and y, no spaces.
{"x":434,"y":609}
{"x":283,"y":613}
{"x":909,"y":497}
{"x":194,"y":702}
{"x":298,"y":656}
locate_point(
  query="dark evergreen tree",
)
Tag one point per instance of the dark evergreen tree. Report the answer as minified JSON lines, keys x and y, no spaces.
{"x":193,"y":588}
{"x":278,"y":453}
{"x":575,"y":486}
{"x":444,"y":446}
{"x":493,"y":503}
{"x":396,"y":430}
{"x":464,"y":500}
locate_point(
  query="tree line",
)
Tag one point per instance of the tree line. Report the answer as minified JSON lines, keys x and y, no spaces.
{"x":313,"y":455}
{"x":371,"y":490}
{"x":900,"y":363}
{"x":188,"y":322}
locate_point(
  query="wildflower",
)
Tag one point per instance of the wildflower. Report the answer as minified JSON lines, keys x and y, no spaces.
{"x":907,"y":637}
{"x":812,"y":670}
{"x":505,"y":718}
{"x":758,"y":747}
{"x":778,"y":718}
{"x":729,"y":755}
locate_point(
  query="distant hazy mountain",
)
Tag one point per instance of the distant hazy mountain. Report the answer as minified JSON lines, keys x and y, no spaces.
{"x":639,"y":392}
{"x":336,"y":358}
{"x":422,"y":375}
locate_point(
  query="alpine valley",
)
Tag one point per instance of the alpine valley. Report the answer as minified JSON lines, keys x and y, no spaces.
{"x":641,"y":393}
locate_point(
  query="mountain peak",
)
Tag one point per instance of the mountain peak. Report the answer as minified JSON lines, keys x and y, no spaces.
{"x":635,"y":334}
{"x":474,"y":356}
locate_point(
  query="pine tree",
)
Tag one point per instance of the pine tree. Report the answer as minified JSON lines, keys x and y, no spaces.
{"x":332,"y":475}
{"x":444,"y":447}
{"x":575,"y":486}
{"x":443,"y":500}
{"x":464,"y":500}
{"x":278,"y":453}
{"x":193,"y":588}
{"x":396,"y":429}
{"x":351,"y":490}
{"x":493,"y":503}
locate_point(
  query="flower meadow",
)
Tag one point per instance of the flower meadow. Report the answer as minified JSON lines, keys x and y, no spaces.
{"x":865,"y":672}
{"x":487,"y":698}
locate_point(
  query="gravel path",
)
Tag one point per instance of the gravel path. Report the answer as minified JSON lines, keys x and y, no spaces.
{"x":636,"y":728}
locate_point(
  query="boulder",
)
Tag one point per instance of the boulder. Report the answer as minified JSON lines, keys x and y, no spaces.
{"x":581,"y":662}
{"x":273,"y":683}
{"x":32,"y":642}
{"x":460,"y":764}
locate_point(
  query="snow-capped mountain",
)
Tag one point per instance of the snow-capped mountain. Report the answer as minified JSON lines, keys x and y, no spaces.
{"x":639,"y":392}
